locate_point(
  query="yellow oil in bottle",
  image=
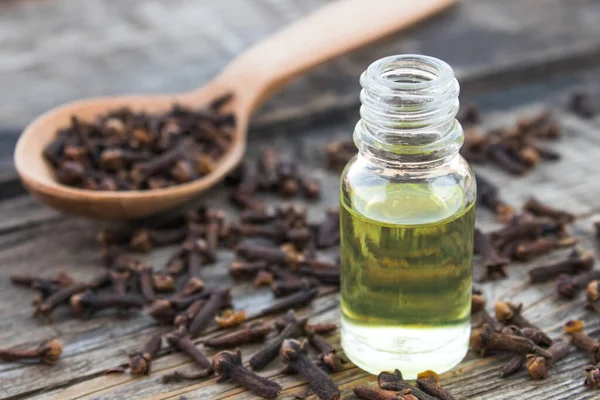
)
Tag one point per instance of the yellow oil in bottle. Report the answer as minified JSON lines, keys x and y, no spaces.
{"x":406,"y":252}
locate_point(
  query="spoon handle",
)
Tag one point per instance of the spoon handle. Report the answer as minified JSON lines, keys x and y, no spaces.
{"x":331,"y":31}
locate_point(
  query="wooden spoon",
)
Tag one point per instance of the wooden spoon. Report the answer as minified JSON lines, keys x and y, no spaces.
{"x":254,"y":76}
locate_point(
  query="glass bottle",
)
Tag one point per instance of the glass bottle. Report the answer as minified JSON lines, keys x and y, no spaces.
{"x":407,"y":219}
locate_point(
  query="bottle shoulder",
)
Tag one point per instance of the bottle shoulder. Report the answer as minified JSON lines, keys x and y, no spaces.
{"x":400,"y":195}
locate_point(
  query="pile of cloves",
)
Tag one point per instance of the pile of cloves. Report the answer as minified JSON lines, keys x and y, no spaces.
{"x":510,"y":332}
{"x":276,"y":246}
{"x":130,"y":150}
{"x":538,"y":230}
{"x":392,"y":386}
{"x":270,"y":173}
{"x":516,"y":149}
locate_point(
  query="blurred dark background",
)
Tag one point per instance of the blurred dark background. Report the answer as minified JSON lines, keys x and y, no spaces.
{"x":55,"y":51}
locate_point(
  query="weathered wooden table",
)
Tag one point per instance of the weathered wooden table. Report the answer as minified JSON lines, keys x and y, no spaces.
{"x":510,"y":56}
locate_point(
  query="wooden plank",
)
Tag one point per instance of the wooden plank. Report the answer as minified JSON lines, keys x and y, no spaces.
{"x":103,"y":342}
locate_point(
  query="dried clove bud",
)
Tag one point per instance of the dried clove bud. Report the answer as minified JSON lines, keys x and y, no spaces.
{"x":493,"y":263}
{"x":592,"y":380}
{"x":246,"y":269}
{"x":294,"y":355}
{"x":488,"y":196}
{"x":568,"y":286}
{"x":580,"y":339}
{"x":145,"y":239}
{"x":84,"y":304}
{"x":478,"y":303}
{"x":580,"y":103}
{"x":576,"y":263}
{"x":267,"y":167}
{"x":268,"y":352}
{"x":272,"y":255}
{"x":61,"y":279}
{"x":538,"y":366}
{"x":394,"y":381}
{"x":177,"y":263}
{"x":298,"y":299}
{"x":256,"y":332}
{"x":592,"y":295}
{"x":185,"y":318}
{"x":540,"y":209}
{"x":320,"y":329}
{"x":230,"y":318}
{"x":229,"y":366}
{"x":140,"y":361}
{"x":529,"y":250}
{"x":162,"y":311}
{"x":119,"y":280}
{"x":513,"y":365}
{"x":163,"y":282}
{"x":525,"y":228}
{"x":327,"y":354}
{"x":289,"y":286}
{"x":146,"y":284}
{"x":328,"y":233}
{"x":311,"y":187}
{"x":339,"y":152}
{"x":510,"y":314}
{"x":218,"y":299}
{"x":487,"y":339}
{"x":502,"y":155}
{"x":428,"y":382}
{"x":263,"y":278}
{"x":60,"y":297}
{"x":181,"y":340}
{"x":47,"y":352}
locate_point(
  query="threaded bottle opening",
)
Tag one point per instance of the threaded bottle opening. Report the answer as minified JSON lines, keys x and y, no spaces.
{"x":409,"y":105}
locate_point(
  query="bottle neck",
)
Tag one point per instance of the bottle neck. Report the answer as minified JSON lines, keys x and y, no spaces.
{"x":408,"y":113}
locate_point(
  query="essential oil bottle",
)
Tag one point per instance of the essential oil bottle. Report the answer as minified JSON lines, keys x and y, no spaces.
{"x":407,"y":218}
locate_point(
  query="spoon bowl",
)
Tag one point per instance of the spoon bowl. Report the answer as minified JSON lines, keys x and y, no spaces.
{"x":255,"y":75}
{"x":38,"y":176}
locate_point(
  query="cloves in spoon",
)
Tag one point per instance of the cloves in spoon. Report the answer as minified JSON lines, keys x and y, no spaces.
{"x":294,"y":355}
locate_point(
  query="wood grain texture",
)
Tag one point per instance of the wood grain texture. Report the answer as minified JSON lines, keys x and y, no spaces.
{"x":49,"y":242}
{"x":137,"y":47}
